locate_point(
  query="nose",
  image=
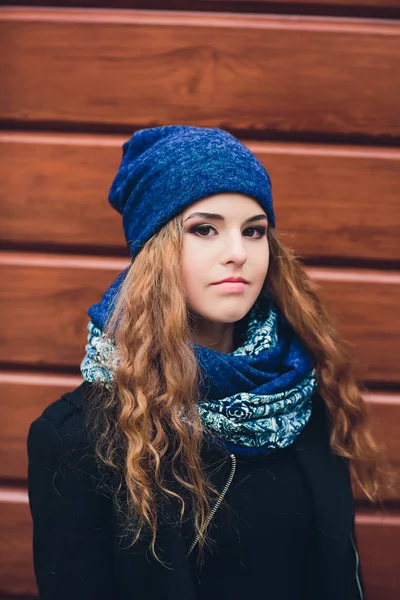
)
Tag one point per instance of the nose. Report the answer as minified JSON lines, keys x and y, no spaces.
{"x":235,"y":249}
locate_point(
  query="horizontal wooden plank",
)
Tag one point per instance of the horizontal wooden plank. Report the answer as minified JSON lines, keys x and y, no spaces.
{"x":278,"y":74}
{"x":353,"y":7}
{"x":59,"y":185}
{"x":378,"y":541}
{"x":384,"y":410}
{"x":16,"y":563}
{"x":44,"y":300}
{"x":325,"y":197}
{"x":19,"y":597}
{"x":23,"y":397}
{"x":365,"y":305}
{"x":268,"y":3}
{"x":52,"y":294}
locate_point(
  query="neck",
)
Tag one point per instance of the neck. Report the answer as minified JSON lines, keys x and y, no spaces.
{"x":212,"y":335}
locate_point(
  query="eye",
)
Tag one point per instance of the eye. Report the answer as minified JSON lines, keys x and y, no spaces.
{"x":260,"y":230}
{"x":199,"y":228}
{"x":202,"y":231}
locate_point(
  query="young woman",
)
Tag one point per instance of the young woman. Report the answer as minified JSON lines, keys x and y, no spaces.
{"x":210,"y":451}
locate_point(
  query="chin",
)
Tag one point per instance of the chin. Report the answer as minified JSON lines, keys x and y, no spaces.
{"x":228,"y":316}
{"x":223,"y":314}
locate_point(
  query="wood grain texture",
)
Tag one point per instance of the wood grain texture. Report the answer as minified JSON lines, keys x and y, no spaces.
{"x":378,"y":541}
{"x":23,"y":397}
{"x":384,"y":413}
{"x":246,"y":72}
{"x":300,"y":6}
{"x":336,"y":202}
{"x":45,"y":297}
{"x":364,"y":305}
{"x":56,"y":190}
{"x":16,"y":564}
{"x":50,"y":296}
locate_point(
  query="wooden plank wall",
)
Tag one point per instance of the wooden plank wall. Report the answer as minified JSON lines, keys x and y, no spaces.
{"x":313,"y":92}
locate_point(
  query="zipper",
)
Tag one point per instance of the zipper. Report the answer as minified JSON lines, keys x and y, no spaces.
{"x":357,"y":568}
{"x":217,"y":504}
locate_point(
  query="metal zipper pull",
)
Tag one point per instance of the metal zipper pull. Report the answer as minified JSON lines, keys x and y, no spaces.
{"x":215,"y":508}
{"x":357,"y":568}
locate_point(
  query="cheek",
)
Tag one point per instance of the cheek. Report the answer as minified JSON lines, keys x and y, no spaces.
{"x":194,"y":287}
{"x":261,"y":261}
{"x":195,"y":259}
{"x":193,"y":269}
{"x":264,"y":265}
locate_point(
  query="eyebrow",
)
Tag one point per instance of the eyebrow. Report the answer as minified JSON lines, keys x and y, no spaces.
{"x":221,"y":218}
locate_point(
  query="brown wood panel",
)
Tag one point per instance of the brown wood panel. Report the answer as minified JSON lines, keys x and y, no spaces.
{"x":23,"y":397}
{"x":302,"y":6}
{"x":378,"y":540}
{"x":242,"y":72}
{"x":45,"y":297}
{"x":16,"y":565}
{"x":171,"y":3}
{"x":384,"y":409}
{"x":59,"y":186}
{"x":350,"y":8}
{"x":325,"y":197}
{"x":50,"y":295}
{"x":379,"y":548}
{"x":365,"y":308}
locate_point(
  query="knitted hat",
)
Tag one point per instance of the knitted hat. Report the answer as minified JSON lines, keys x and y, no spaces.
{"x":165,"y":169}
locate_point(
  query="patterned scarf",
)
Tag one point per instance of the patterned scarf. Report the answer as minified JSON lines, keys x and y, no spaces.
{"x":254,"y":399}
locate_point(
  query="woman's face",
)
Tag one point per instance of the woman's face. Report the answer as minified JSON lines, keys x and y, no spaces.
{"x":230,"y":241}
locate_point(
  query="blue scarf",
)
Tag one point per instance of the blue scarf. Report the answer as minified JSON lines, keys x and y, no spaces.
{"x":255,"y":399}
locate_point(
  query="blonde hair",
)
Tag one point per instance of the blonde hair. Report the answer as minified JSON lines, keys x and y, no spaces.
{"x":147,"y":423}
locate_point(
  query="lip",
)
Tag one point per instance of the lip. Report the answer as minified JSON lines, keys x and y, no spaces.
{"x":232,"y":280}
{"x":232,"y":286}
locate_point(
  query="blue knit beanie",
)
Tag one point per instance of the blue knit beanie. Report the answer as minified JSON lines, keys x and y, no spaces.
{"x":165,"y":169}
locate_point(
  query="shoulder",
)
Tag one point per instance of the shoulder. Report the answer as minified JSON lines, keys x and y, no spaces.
{"x":65,"y":480}
{"x":66,"y":410}
{"x":67,"y":415}
{"x":61,"y":421}
{"x":60,"y":434}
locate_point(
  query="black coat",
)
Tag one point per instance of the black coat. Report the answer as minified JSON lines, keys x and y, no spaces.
{"x":77,"y":546}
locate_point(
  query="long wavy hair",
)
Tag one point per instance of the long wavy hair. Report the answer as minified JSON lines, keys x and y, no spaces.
{"x":146,"y":422}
